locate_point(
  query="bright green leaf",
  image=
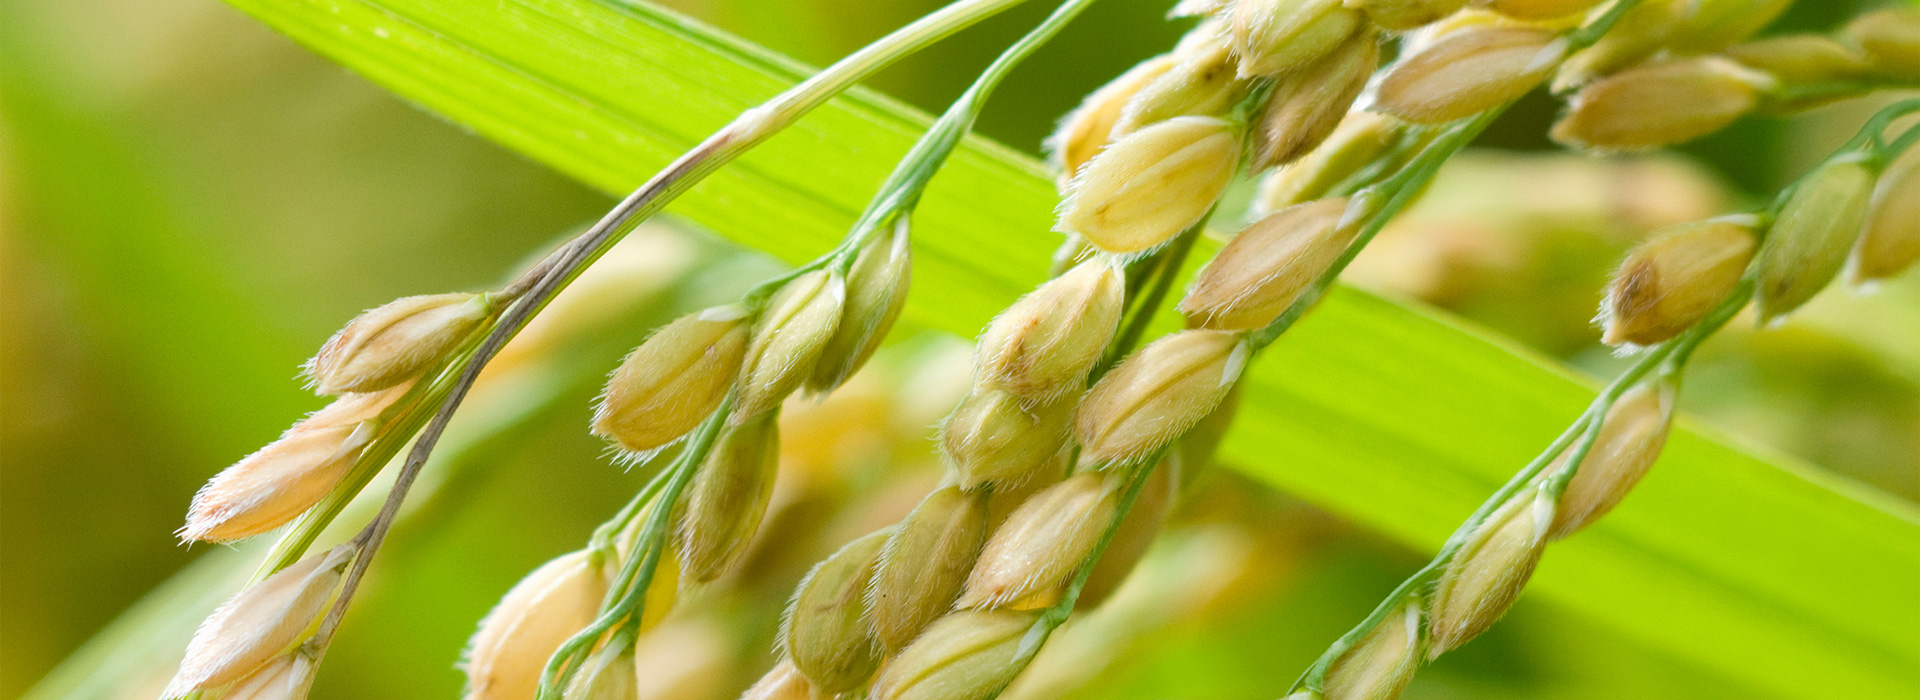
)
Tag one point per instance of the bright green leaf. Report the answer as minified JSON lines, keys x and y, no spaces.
{"x":1758,"y":567}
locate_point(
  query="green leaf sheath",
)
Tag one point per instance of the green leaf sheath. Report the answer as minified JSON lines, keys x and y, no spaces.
{"x":1761,"y":568}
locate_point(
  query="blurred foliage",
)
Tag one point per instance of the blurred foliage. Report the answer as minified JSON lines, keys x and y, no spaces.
{"x":190,"y":203}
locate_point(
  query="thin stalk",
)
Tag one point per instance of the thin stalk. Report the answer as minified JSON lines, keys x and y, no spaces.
{"x":1579,"y":436}
{"x":1876,"y":128}
{"x":1903,"y":142}
{"x":545,"y":280}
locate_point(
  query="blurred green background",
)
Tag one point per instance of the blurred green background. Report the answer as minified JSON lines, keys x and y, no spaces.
{"x":190,"y":203}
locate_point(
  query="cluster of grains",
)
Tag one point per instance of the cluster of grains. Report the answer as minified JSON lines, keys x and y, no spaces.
{"x":261,"y":645}
{"x":1850,"y":211}
{"x":810,"y":331}
{"x":1146,"y":156}
{"x":937,"y":603}
{"x":370,"y":365}
{"x":254,"y":645}
{"x":1677,"y":70}
{"x":937,"y":606}
{"x":1056,"y":459}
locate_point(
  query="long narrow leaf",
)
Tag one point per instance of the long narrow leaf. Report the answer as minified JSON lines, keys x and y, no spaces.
{"x":1756,"y":566}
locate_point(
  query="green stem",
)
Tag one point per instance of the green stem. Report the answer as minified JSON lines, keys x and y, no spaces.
{"x":1871,"y":137}
{"x":1905,"y":140}
{"x":902,"y":190}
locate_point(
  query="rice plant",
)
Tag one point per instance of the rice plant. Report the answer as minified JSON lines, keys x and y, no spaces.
{"x":1134,"y":299}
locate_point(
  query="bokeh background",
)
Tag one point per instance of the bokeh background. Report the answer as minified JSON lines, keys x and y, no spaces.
{"x":190,"y":203}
